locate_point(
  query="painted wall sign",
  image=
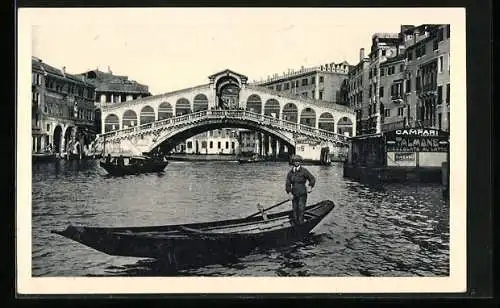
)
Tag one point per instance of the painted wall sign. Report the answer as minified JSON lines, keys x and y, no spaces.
{"x":417,"y":140}
{"x":404,"y":156}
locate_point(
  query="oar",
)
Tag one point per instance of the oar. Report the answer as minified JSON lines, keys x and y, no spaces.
{"x":271,"y":207}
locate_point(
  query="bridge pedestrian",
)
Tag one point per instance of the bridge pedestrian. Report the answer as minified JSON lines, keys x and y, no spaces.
{"x":296,"y":188}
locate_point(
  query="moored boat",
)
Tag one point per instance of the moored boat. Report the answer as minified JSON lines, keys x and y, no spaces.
{"x":133,"y":165}
{"x":252,"y":159}
{"x":200,"y":243}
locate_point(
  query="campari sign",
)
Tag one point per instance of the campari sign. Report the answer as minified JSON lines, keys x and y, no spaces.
{"x":417,"y":140}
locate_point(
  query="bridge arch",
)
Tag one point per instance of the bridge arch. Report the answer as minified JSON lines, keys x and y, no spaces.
{"x":111,"y":123}
{"x":170,"y":139}
{"x":147,"y":114}
{"x":129,"y":118}
{"x":326,"y":122}
{"x":344,"y":125}
{"x":165,"y":111}
{"x":200,"y":102}
{"x":254,"y":104}
{"x":182,"y":106}
{"x":272,"y":108}
{"x":308,"y":117}
{"x":290,"y":113}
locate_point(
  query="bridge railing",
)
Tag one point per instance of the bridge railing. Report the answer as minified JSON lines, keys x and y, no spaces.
{"x":238,"y":114}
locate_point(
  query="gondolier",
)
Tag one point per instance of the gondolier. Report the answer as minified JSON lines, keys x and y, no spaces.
{"x":296,"y":187}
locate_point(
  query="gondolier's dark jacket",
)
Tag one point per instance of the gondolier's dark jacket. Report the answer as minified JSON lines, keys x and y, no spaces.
{"x":296,"y":181}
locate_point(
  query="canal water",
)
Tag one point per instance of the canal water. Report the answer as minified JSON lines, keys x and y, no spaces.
{"x":383,"y":230}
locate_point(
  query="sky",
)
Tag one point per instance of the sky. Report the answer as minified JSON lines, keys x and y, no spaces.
{"x":174,"y":48}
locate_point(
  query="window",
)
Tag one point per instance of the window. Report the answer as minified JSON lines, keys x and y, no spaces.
{"x":435,"y":45}
{"x":382,"y":71}
{"x":370,"y":92}
{"x":286,"y":86}
{"x":232,"y":145}
{"x":381,"y":92}
{"x":293,"y":84}
{"x":227,"y":145}
{"x":313,"y":79}
{"x":278,"y":87}
{"x":320,"y":94}
{"x":48,"y":127}
{"x":304,"y":82}
{"x":400,"y":111}
{"x":440,"y":64}
{"x":270,"y":88}
{"x":321,"y":79}
{"x":189,"y":144}
{"x":304,"y":94}
{"x":297,"y":83}
{"x":440,"y":95}
{"x":401,"y":67}
{"x":417,"y":83}
{"x":408,"y":84}
{"x":218,"y":144}
{"x":383,"y":52}
{"x":203,"y":144}
{"x":312,"y":94}
{"x":448,"y":93}
{"x":410,"y":55}
{"x":370,"y":74}
{"x":440,"y":34}
{"x":211,"y":144}
{"x":387,"y":112}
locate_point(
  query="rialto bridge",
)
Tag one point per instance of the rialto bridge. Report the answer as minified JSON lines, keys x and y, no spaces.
{"x":227,"y":101}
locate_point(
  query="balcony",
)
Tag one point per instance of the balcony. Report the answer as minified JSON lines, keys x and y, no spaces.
{"x":397,"y":98}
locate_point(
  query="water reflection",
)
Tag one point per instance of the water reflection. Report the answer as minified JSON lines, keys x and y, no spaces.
{"x":382,"y":230}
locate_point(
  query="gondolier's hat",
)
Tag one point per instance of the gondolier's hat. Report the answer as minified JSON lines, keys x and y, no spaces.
{"x":296,"y":158}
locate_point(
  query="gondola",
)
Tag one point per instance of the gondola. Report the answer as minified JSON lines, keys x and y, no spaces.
{"x":135,"y":165}
{"x":191,"y":244}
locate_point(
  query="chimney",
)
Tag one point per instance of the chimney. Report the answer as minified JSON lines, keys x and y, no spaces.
{"x":64,"y":70}
{"x":109,"y":70}
{"x":361,"y":54}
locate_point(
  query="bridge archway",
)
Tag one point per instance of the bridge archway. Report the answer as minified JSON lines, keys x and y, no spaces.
{"x":308,"y":117}
{"x":254,"y":104}
{"x":182,"y":107}
{"x":171,"y":139}
{"x":165,"y":111}
{"x":57,"y":138}
{"x":147,"y":115}
{"x":326,"y":122}
{"x":200,"y":102}
{"x":272,"y":108}
{"x":111,"y":122}
{"x":344,"y":125}
{"x":291,"y":113}
{"x":129,"y":119}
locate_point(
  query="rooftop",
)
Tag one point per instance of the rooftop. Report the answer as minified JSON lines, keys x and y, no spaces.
{"x":107,"y":82}
{"x":38,"y":64}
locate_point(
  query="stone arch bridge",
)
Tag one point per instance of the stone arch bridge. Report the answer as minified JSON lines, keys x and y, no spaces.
{"x":226,"y":101}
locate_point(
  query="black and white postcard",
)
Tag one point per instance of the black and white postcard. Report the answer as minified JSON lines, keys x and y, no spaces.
{"x":241,"y":150}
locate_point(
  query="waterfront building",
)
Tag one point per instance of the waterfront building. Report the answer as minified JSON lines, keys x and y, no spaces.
{"x":428,"y":76}
{"x":405,"y":79}
{"x":215,"y":142}
{"x":326,"y":82}
{"x":62,"y":109}
{"x":112,"y":89}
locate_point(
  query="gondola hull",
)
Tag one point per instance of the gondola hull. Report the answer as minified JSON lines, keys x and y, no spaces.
{"x":200,"y":243}
{"x":149,"y":166}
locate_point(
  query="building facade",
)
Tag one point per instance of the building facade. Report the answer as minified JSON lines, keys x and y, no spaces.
{"x":405,"y":79}
{"x":111,"y":89}
{"x":214,"y":142}
{"x":326,"y":82}
{"x":62,"y":109}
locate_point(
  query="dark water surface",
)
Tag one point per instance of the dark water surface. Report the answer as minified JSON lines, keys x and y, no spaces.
{"x":383,"y":230}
